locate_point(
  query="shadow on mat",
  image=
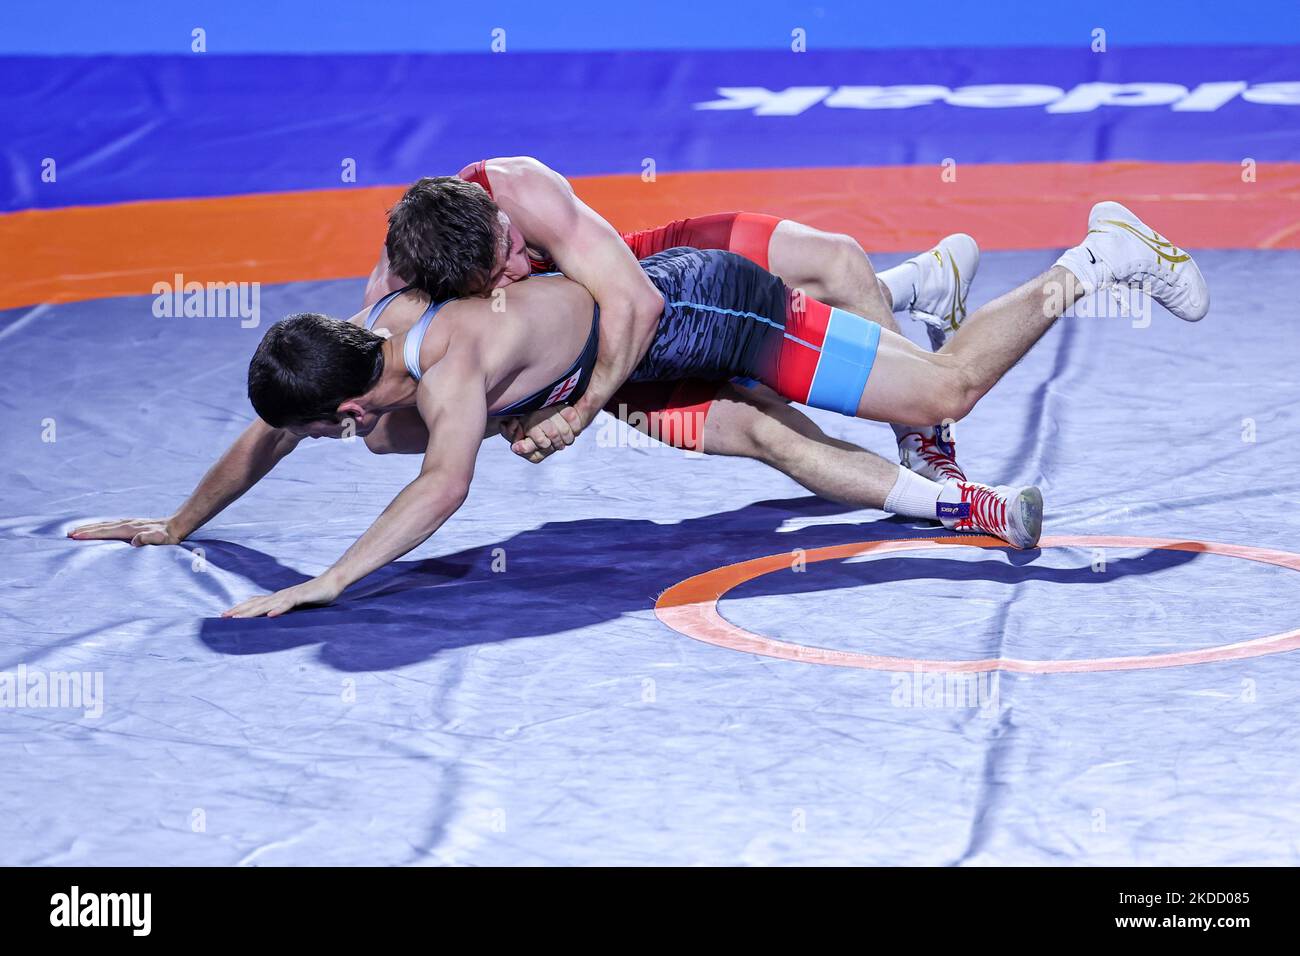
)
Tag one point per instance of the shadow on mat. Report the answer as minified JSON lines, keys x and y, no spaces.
{"x":573,"y":574}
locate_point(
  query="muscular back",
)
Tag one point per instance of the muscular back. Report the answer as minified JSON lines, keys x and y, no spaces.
{"x":526,"y":335}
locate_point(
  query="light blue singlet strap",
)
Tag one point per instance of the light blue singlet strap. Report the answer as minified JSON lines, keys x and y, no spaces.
{"x":415,"y":338}
{"x":377,"y":309}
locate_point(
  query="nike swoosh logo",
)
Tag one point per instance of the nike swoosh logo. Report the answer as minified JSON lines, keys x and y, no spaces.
{"x":1091,"y":257}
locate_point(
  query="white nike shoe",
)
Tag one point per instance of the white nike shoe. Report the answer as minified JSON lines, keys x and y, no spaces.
{"x":1013,"y":514}
{"x":924,"y":451}
{"x":939,"y":294}
{"x":1121,"y":250}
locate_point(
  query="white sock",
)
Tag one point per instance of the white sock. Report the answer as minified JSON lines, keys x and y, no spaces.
{"x":1085,"y":267}
{"x":913,"y":496}
{"x":901,"y":282}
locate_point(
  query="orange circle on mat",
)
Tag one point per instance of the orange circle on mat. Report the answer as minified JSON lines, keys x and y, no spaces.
{"x":690,"y":607}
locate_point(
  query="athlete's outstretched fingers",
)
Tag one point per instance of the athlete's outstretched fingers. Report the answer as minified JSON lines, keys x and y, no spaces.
{"x":86,"y":530}
{"x":99,"y":530}
{"x":314,"y":591}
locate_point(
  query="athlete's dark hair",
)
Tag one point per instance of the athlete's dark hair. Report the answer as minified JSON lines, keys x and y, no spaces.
{"x":308,"y":365}
{"x":443,"y":237}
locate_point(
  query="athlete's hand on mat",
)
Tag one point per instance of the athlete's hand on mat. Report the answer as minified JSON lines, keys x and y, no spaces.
{"x":315,"y":592}
{"x":546,"y":432}
{"x":139,"y":531}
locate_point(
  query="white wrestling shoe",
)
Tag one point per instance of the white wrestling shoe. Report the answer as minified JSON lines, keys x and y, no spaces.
{"x":1121,"y":250}
{"x":924,"y":451}
{"x":939,"y":294}
{"x":1013,"y":514}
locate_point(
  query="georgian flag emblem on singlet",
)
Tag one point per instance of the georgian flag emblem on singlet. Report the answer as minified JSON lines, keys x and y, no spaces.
{"x":563,"y":390}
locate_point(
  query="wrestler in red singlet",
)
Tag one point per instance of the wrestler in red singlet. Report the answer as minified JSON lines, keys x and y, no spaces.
{"x":675,"y":411}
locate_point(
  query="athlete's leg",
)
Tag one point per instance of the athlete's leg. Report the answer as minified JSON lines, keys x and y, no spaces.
{"x":911,"y":385}
{"x":834,"y":269}
{"x":834,"y":359}
{"x":839,"y":361}
{"x":827,"y":266}
{"x":830,"y":267}
{"x":757,"y":423}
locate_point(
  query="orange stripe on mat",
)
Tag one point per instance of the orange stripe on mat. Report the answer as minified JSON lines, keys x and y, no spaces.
{"x":89,"y":252}
{"x":690,"y":607}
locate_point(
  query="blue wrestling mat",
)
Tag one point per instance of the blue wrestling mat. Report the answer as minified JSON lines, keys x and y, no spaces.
{"x":508,"y":694}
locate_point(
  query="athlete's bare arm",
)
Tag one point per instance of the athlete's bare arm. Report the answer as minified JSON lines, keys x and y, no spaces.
{"x":452,"y":401}
{"x":588,"y":250}
{"x":243,"y":465}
